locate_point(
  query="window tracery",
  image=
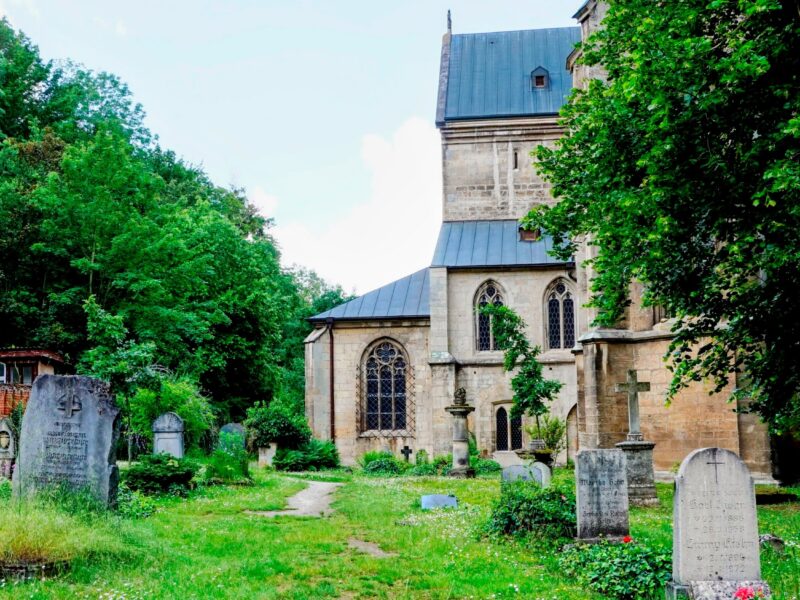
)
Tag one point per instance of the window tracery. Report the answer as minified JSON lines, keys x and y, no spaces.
{"x":560,"y":313}
{"x":488,"y":294}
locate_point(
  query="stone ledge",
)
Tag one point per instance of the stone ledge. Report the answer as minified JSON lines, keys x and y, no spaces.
{"x":612,"y":336}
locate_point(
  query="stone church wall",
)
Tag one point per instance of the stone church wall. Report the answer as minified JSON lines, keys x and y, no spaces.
{"x":487,"y":169}
{"x":350,"y":342}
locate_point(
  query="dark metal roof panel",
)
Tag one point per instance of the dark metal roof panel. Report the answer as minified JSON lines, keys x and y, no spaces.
{"x":489,"y":244}
{"x":406,"y":297}
{"x":489,"y":74}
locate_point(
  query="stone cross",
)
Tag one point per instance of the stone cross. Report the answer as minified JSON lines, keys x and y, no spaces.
{"x":633,"y":387}
{"x":406,"y":451}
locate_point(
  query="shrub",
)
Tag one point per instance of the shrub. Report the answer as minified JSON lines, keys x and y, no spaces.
{"x":484,"y":466}
{"x":228,"y":463}
{"x":443,"y":463}
{"x":423,"y":469}
{"x":276,"y":423}
{"x":624,"y":571}
{"x":524,"y":508}
{"x":373,"y":455}
{"x":160,"y":473}
{"x":384,"y":466}
{"x":5,"y":489}
{"x":134,"y":505}
{"x":422,"y":457}
{"x":311,"y":456}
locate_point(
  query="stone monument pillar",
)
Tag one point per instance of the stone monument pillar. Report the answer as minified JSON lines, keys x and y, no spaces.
{"x":459,"y":410}
{"x":7,"y":448}
{"x":638,"y":452}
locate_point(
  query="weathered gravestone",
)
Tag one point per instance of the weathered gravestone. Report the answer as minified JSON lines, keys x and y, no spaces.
{"x":69,"y":434}
{"x":439,"y":501}
{"x":543,"y":473}
{"x":168,"y":435}
{"x":601,"y":494}
{"x":715,"y":531}
{"x":7,"y":448}
{"x":233,"y":433}
{"x":519,"y":473}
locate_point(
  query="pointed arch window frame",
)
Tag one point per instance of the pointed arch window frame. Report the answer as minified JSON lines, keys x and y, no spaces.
{"x":483,"y":325}
{"x":507,"y":429}
{"x":378,"y":413}
{"x":560,"y":329}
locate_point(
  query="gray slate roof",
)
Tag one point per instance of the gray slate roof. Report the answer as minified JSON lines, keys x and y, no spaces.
{"x":488,"y":75}
{"x":406,"y":297}
{"x":489,"y":244}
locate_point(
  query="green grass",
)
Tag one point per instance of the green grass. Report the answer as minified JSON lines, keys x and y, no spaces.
{"x":207,"y":547}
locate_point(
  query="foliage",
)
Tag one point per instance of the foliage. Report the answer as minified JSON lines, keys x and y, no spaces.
{"x":229,"y":463}
{"x":524,"y":508}
{"x":682,"y":172}
{"x":17,"y":413}
{"x":443,"y":463}
{"x":160,"y":474}
{"x":484,"y":466}
{"x":311,"y":456}
{"x":531,"y":389}
{"x":422,"y":457}
{"x":276,"y":423}
{"x":373,"y":455}
{"x":384,"y":466}
{"x":5,"y":489}
{"x":626,"y":571}
{"x":552,"y":431}
{"x":172,"y":394}
{"x":423,"y":470}
{"x":134,"y":505}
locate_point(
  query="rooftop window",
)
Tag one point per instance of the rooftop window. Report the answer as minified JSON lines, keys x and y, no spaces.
{"x":540,"y":78}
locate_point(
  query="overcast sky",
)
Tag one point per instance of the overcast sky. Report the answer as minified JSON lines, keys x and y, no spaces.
{"x":322,"y":109}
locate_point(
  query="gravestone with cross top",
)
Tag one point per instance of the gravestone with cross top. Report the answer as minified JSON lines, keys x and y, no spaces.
{"x":633,"y":386}
{"x":406,"y":452}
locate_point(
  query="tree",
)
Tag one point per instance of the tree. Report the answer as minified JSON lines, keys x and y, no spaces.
{"x":532,"y":391}
{"x":682,"y":171}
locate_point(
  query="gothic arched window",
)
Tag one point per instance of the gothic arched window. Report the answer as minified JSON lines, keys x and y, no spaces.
{"x":385,"y":375}
{"x":516,"y":433}
{"x":501,"y":430}
{"x":489,"y":293}
{"x":560,"y":315}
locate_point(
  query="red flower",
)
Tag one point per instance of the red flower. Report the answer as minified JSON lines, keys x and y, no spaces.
{"x":744,"y":593}
{"x":627,"y":539}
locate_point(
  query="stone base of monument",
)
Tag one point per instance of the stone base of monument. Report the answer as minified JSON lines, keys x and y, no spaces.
{"x":714,"y":590}
{"x":32,"y":570}
{"x":463,"y":473}
{"x":641,"y":477}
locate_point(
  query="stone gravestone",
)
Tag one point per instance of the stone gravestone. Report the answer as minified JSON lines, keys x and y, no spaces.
{"x":601,"y":494}
{"x":715,"y":531}
{"x":234,"y":429}
{"x":518,"y":473}
{"x":168,"y":435}
{"x":432,"y":501}
{"x":69,"y":435}
{"x":545,"y":474}
{"x":7,"y":448}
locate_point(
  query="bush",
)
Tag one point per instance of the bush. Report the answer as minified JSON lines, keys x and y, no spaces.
{"x":276,"y":423}
{"x":384,"y":466}
{"x":443,"y":463}
{"x":160,"y":473}
{"x":311,"y":456}
{"x":624,"y":571}
{"x":373,"y":455}
{"x":228,"y":463}
{"x":423,"y":470}
{"x":524,"y":508}
{"x":552,"y":431}
{"x":422,"y":457}
{"x":134,"y":505}
{"x":5,"y":489}
{"x":484,"y":466}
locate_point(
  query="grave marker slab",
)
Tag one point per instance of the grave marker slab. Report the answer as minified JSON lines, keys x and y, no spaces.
{"x":69,"y":434}
{"x":546,"y":473}
{"x":168,"y":435}
{"x":715,"y":529}
{"x":432,"y":501}
{"x":601,"y":494}
{"x":521,"y":473}
{"x":7,"y":448}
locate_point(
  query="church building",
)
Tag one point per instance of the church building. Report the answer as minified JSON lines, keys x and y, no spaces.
{"x":381,"y":369}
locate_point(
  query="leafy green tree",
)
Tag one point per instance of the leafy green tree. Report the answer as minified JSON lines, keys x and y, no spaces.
{"x":532,"y":391}
{"x":682,"y":171}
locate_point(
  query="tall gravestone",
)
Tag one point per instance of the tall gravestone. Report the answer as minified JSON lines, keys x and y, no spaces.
{"x":7,"y":448}
{"x":69,"y":434}
{"x":715,"y":532}
{"x":601,"y":494}
{"x":168,"y":435}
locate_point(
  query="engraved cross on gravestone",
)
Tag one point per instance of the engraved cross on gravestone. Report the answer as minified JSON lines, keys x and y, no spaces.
{"x":633,"y":387}
{"x":68,"y":402}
